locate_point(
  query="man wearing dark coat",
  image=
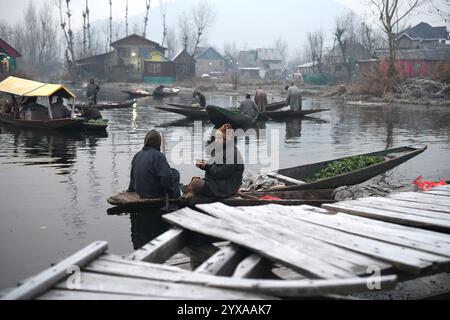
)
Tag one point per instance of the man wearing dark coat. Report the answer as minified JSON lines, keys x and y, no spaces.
{"x":224,"y":173}
{"x":151,"y":175}
{"x":248,"y":107}
{"x":261,"y":99}
{"x":92,"y":91}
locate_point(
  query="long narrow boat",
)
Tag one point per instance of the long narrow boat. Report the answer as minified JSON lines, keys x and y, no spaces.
{"x":291,"y":114}
{"x":192,"y":113}
{"x":269,"y":108}
{"x":220,"y":116}
{"x":128,"y":200}
{"x":106,"y":105}
{"x":295,"y":177}
{"x":136,"y":94}
{"x":26,"y":89}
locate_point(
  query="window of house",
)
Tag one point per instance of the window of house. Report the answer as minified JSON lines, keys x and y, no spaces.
{"x":154,"y":68}
{"x":124,"y":52}
{"x":144,"y":52}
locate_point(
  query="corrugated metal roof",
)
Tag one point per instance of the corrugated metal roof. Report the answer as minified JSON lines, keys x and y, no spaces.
{"x":424,"y":31}
{"x":269,"y":55}
{"x":438,"y":53}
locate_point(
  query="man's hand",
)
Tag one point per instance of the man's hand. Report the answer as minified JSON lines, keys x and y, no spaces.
{"x":201,"y":164}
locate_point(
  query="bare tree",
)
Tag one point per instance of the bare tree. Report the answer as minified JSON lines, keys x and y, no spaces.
{"x":316,"y":41}
{"x":163,"y":8}
{"x":110,"y":24}
{"x":171,"y":42}
{"x":344,"y":36}
{"x":391,"y":13}
{"x":282,"y":47}
{"x":84,"y":32}
{"x":231,"y":48}
{"x":66,"y":27}
{"x":441,"y":8}
{"x":88,"y":26}
{"x":147,"y":6}
{"x":187,"y":33}
{"x":126,"y":19}
{"x":203,"y":15}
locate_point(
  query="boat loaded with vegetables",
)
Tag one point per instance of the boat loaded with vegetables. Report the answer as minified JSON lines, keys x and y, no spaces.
{"x":312,"y":184}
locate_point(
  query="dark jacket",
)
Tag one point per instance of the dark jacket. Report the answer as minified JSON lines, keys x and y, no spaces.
{"x":202,"y":101}
{"x":151,"y":175}
{"x":248,"y":108}
{"x":224,"y":180}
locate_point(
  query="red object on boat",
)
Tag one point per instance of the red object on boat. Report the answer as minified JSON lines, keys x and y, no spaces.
{"x":269,"y":198}
{"x":428,"y":185}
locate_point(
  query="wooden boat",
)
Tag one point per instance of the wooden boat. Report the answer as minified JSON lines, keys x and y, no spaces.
{"x":270,"y":107}
{"x":24,"y":88}
{"x":107,"y":105}
{"x":291,"y":114}
{"x":166,"y":92}
{"x":220,"y":116}
{"x":295,"y":177}
{"x":136,"y":94}
{"x":99,"y":125}
{"x":191,"y":112}
{"x":128,"y":200}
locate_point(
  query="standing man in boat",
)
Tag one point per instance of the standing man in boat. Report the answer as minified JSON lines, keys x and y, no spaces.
{"x":294,"y":97}
{"x":224,"y":173}
{"x":248,"y":107}
{"x":261,"y":99}
{"x":151,"y":175}
{"x":92,"y":91}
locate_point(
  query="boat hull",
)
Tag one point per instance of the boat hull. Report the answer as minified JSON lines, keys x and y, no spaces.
{"x":58,"y":124}
{"x":192,"y":112}
{"x":220,"y":116}
{"x":113,"y":105}
{"x":137,"y":95}
{"x":291,"y":114}
{"x":302,"y":173}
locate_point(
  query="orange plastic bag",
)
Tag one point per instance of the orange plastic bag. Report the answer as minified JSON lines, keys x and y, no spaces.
{"x":428,"y":185}
{"x":269,"y":198}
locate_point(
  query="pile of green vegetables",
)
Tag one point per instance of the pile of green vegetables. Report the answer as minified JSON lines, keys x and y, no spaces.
{"x":345,"y":166}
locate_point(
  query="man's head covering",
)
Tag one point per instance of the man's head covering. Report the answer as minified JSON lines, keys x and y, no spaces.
{"x":153,"y":140}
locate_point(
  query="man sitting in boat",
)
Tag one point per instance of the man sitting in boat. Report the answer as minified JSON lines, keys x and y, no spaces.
{"x":248,"y":107}
{"x":294,"y":97}
{"x":32,"y":110}
{"x":59,"y":111}
{"x":151,"y":175}
{"x":223,"y":174}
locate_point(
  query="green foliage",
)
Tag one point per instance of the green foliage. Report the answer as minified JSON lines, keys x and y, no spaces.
{"x":345,"y":166}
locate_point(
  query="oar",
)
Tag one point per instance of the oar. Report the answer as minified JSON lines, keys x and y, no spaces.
{"x":262,"y":115}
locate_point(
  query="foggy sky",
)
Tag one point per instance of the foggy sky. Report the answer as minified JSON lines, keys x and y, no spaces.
{"x":249,"y":23}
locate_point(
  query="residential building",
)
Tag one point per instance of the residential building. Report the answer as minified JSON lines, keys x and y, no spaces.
{"x":209,"y":61}
{"x":422,"y":36}
{"x":158,"y":69}
{"x":8,"y":58}
{"x":185,"y":65}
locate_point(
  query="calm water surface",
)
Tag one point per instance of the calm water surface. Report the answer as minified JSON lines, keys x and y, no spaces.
{"x":54,"y":186}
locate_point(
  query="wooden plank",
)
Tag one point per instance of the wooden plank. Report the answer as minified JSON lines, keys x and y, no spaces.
{"x":285,"y":178}
{"x":199,"y":254}
{"x":438,"y":193}
{"x":162,"y":248}
{"x":72,"y":295}
{"x":261,"y":288}
{"x":343,"y":222}
{"x":223,"y":262}
{"x":391,"y":216}
{"x":305,"y":263}
{"x":406,"y":259}
{"x":95,"y":282}
{"x":421,"y":198}
{"x":367,"y":202}
{"x":253,"y":267}
{"x":48,"y":278}
{"x":408,"y":204}
{"x":335,"y":255}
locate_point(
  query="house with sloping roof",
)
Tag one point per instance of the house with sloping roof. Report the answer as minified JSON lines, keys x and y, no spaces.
{"x":271,"y":63}
{"x":421,"y":36}
{"x":185,"y":65}
{"x":125,"y":62}
{"x":8,"y":57}
{"x":209,"y":61}
{"x":412,"y":63}
{"x":158,"y":69}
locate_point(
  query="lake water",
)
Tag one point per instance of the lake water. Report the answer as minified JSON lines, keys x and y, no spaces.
{"x":54,"y":186}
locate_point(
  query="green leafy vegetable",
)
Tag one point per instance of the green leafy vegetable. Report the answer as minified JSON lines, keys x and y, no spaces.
{"x":345,"y":166}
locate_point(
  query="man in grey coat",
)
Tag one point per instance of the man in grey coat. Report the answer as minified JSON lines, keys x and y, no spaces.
{"x":294,"y":98}
{"x":248,"y":107}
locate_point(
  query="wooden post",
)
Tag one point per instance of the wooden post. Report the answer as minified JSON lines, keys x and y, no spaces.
{"x":50,"y":114}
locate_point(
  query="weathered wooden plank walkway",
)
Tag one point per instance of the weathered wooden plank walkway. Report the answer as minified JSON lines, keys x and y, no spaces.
{"x":266,"y":252}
